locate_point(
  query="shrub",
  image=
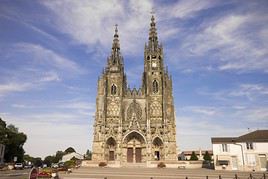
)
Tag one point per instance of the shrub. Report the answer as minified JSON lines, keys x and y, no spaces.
{"x":102,"y":164}
{"x":207,"y":157}
{"x":69,"y":164}
{"x":161,"y":165}
{"x":193,"y":156}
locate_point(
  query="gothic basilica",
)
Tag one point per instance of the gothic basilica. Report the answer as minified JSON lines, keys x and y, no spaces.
{"x":135,"y":125}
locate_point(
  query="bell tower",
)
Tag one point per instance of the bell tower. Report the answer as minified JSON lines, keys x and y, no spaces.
{"x":157,"y":85}
{"x":111,"y":89}
{"x":153,"y":63}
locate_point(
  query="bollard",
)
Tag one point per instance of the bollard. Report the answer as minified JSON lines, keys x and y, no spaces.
{"x":151,"y":178}
{"x":264,"y":176}
{"x":236,"y":176}
{"x":186,"y":178}
{"x":220,"y":177}
{"x":105,"y":177}
{"x":250,"y":176}
{"x":206,"y":177}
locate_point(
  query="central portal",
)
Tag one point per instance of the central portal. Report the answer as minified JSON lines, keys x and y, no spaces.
{"x":134,"y":155}
{"x":130,"y":155}
{"x":138,"y":155}
{"x":135,"y":148}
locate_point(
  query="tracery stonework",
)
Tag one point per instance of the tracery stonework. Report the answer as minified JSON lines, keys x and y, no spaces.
{"x":135,"y":125}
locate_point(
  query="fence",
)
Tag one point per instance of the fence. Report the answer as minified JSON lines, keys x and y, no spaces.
{"x":236,"y":177}
{"x":220,"y":177}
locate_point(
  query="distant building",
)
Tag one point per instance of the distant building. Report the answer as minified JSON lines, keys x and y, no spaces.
{"x":2,"y":152}
{"x":186,"y":155}
{"x":248,"y":152}
{"x":69,"y":156}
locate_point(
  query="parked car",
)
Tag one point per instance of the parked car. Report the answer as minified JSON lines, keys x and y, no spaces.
{"x":54,"y":165}
{"x":61,"y":164}
{"x":28,"y":166}
{"x":18,"y":166}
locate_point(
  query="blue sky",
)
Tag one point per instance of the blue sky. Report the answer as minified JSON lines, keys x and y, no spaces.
{"x":52,"y":52}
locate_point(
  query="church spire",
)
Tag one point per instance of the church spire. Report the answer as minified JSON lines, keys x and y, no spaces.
{"x":153,"y":40}
{"x":115,"y":61}
{"x":115,"y":58}
{"x":116,"y":45}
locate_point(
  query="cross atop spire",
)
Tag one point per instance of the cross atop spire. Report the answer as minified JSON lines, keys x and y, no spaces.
{"x":152,"y":12}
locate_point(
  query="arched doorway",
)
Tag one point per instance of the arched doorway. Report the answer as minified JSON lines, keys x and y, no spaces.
{"x":134,"y":147}
{"x":157,"y":148}
{"x":110,"y":149}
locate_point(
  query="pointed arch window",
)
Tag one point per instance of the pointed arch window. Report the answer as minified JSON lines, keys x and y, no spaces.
{"x":155,"y":86}
{"x":113,"y":89}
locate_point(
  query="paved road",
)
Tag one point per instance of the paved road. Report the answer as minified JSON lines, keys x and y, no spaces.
{"x":155,"y":173}
{"x":15,"y":174}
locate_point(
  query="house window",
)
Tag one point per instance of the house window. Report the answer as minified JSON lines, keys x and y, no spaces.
{"x":224,"y":147}
{"x":249,"y":146}
{"x":223,"y":162}
{"x":251,"y":159}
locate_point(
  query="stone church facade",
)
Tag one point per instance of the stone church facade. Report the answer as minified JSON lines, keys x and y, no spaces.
{"x":135,"y":125}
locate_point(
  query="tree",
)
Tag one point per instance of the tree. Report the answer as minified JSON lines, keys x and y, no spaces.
{"x":58,"y":156}
{"x":49,"y":160}
{"x":3,"y":132}
{"x":88,"y":155}
{"x":207,"y":157}
{"x":13,"y":140}
{"x":12,"y":128}
{"x":193,"y":156}
{"x":27,"y":158}
{"x":69,"y":150}
{"x":2,"y":123}
{"x":37,"y":162}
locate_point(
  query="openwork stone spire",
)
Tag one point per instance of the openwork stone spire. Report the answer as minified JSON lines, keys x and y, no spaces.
{"x":115,"y":58}
{"x":116,"y":45}
{"x":153,"y":40}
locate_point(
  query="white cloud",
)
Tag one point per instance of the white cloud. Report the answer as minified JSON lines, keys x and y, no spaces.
{"x":199,"y":126}
{"x":79,"y":105}
{"x":19,"y":106}
{"x":14,"y":87}
{"x":50,"y":76}
{"x":53,"y":137}
{"x":250,"y":92}
{"x":29,"y":84}
{"x":42,"y":55}
{"x":79,"y":108}
{"x":36,"y":68}
{"x":204,"y":110}
{"x":186,"y":8}
{"x":199,"y":132}
{"x":53,"y":131}
{"x":254,"y":114}
{"x":227,"y":42}
{"x":19,"y":20}
{"x":92,"y":22}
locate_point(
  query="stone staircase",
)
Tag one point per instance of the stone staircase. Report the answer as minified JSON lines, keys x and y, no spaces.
{"x":134,"y":165}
